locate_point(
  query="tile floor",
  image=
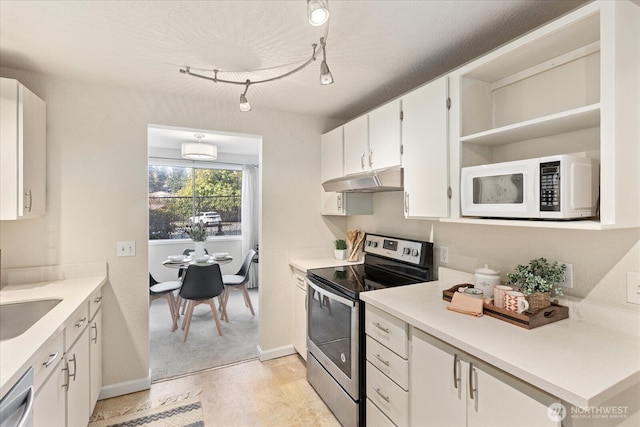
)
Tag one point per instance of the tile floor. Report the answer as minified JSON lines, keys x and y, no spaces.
{"x":253,"y":393}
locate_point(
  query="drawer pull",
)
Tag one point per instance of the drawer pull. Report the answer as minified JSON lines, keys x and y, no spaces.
{"x":52,"y":358}
{"x":97,"y":300}
{"x":382,"y":328}
{"x":385,"y":398}
{"x":80,"y":322}
{"x":384,"y":362}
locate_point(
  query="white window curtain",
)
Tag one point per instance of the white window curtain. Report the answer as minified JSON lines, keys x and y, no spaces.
{"x":250,"y":216}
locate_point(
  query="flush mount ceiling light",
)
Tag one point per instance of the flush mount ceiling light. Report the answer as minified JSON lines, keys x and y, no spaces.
{"x":199,"y":150}
{"x":318,"y":13}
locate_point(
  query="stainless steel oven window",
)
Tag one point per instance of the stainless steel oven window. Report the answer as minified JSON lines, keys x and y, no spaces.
{"x":333,"y":335}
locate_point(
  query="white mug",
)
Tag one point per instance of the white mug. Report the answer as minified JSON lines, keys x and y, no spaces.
{"x":499,"y":291}
{"x":515,"y":301}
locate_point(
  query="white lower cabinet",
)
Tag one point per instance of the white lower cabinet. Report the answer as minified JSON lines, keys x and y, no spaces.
{"x":49,"y":408}
{"x":300,"y":313}
{"x":452,"y":388}
{"x":95,"y":357}
{"x":78,"y":366}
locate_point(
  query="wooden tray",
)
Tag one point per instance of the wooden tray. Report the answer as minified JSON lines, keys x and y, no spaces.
{"x":525,"y":320}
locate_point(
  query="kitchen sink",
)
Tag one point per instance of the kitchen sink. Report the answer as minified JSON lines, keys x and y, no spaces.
{"x":16,"y":318}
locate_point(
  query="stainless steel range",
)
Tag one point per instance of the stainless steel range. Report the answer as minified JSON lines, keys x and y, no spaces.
{"x":335,"y":314}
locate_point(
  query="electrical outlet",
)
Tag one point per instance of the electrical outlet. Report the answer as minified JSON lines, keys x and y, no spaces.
{"x":127,"y":248}
{"x":568,"y":276}
{"x":633,"y":287}
{"x":444,"y":254}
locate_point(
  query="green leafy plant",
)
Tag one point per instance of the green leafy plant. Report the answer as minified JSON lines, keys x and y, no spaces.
{"x":340,"y":244}
{"x":538,"y":276}
{"x":197,"y":232}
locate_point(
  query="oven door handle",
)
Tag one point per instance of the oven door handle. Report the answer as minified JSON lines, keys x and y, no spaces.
{"x":331,"y":295}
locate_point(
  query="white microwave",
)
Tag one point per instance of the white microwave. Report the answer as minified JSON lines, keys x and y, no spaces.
{"x":554,"y":187}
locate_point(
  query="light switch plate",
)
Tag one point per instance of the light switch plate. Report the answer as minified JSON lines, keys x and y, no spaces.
{"x":127,"y":248}
{"x":633,"y":288}
{"x":444,"y":254}
{"x":568,"y":276}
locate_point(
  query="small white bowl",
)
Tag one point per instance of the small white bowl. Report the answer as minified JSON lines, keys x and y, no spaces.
{"x":176,"y":258}
{"x":202,"y":259}
{"x":220,"y":255}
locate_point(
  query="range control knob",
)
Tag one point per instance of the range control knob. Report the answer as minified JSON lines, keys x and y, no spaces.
{"x":374,"y":244}
{"x":406,"y":251}
{"x":415,"y":252}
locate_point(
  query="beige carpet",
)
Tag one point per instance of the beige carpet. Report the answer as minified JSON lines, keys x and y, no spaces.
{"x":169,"y":357}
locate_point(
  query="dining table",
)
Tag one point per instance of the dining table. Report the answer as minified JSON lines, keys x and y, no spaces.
{"x":188,"y":260}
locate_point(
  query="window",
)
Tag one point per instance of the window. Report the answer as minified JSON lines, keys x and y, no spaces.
{"x":180,"y":196}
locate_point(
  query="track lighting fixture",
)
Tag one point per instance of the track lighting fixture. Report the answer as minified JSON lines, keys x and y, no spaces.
{"x":244,"y":104}
{"x":199,"y":150}
{"x":318,"y":12}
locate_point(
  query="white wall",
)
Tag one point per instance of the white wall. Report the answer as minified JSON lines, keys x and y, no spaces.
{"x":601,"y":259}
{"x":97,"y":195}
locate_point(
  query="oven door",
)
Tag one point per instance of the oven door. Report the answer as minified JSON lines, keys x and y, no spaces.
{"x":333,"y":325}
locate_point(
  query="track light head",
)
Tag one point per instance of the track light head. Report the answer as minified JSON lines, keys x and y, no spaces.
{"x":318,"y":11}
{"x":326,"y":78}
{"x":244,"y":104}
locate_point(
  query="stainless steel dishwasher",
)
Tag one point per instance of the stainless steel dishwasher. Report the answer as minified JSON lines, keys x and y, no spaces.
{"x":16,"y":407}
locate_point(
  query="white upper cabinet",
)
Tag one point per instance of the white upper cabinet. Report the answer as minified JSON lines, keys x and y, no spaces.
{"x":384,"y":136}
{"x":424,"y":141}
{"x":22,"y":152}
{"x":332,"y":166}
{"x":570,"y":87}
{"x":356,"y":145}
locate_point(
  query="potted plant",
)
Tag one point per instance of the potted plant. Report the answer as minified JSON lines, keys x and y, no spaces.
{"x":340,"y":251}
{"x":537,"y":280}
{"x":198,"y":233}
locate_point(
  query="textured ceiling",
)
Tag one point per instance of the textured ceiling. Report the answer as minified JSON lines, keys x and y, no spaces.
{"x":376,"y":50}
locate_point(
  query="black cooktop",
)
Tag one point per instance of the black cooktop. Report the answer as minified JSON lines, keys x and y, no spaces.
{"x":353,"y":279}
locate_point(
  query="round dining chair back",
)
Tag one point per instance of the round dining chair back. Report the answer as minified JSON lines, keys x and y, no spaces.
{"x":165,"y":290}
{"x":246,"y":266}
{"x":200,"y":285}
{"x":239,"y":281}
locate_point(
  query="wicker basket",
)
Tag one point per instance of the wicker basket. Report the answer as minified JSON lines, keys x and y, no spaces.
{"x":538,"y":301}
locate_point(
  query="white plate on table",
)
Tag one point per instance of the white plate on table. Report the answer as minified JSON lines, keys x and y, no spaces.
{"x":220,"y":255}
{"x":177,"y":258}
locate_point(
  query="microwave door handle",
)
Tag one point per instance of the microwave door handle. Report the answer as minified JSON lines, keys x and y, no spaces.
{"x":331,"y":295}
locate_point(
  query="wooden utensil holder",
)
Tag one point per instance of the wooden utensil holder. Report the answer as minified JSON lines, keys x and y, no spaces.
{"x":525,"y":320}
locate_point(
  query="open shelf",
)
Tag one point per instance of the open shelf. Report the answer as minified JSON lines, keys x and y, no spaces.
{"x":566,"y":121}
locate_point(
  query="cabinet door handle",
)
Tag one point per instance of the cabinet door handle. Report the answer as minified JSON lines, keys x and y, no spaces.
{"x":384,"y":362}
{"x":80,"y":322}
{"x":66,"y":376}
{"x":28,"y":194}
{"x":52,"y":358}
{"x":406,"y":202}
{"x":383,"y":329}
{"x":456,"y":377}
{"x":362,"y":161}
{"x":472,"y":388}
{"x":370,"y":159}
{"x":75,"y":368}
{"x":385,"y":398}
{"x":98,"y":299}
{"x":339,"y":201}
{"x":95,"y":328}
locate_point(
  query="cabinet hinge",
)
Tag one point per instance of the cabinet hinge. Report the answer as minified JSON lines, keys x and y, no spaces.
{"x":448,"y":103}
{"x":401,"y":115}
{"x":449,"y":192}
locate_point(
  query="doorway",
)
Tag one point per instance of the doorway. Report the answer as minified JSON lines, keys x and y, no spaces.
{"x":222,"y":194}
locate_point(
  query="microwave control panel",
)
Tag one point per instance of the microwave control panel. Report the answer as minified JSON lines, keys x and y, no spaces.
{"x":550,"y":186}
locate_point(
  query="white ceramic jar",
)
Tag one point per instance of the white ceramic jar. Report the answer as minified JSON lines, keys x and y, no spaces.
{"x":486,"y":279}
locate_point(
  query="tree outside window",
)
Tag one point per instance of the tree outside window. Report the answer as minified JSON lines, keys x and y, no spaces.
{"x":179,"y":196}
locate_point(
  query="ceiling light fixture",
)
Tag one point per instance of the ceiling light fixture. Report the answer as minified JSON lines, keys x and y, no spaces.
{"x":315,"y":8}
{"x":199,"y":150}
{"x":318,"y":11}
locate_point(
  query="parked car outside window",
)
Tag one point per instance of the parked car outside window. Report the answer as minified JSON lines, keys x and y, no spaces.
{"x":209,"y":218}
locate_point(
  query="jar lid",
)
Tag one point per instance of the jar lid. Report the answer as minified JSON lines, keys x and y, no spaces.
{"x":487,"y":270}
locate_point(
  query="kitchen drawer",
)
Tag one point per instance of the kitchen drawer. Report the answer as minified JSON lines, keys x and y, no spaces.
{"x":387,"y":330}
{"x":375,"y":417}
{"x":389,"y":363}
{"x":387,"y":396}
{"x":95,"y":302}
{"x":76,"y":324}
{"x":47,"y":359}
{"x":299,"y":277}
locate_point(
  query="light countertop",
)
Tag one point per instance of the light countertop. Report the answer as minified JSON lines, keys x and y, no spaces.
{"x":17,"y":353}
{"x":578,"y":362}
{"x":305,"y":264}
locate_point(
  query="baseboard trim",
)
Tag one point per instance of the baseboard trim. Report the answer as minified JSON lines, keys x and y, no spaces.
{"x":274,"y":353}
{"x":126,"y":387}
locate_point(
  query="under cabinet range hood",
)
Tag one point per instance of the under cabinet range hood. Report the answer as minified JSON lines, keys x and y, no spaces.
{"x":390,"y":179}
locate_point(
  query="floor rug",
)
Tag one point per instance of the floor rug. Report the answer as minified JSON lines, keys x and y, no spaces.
{"x":185,"y":413}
